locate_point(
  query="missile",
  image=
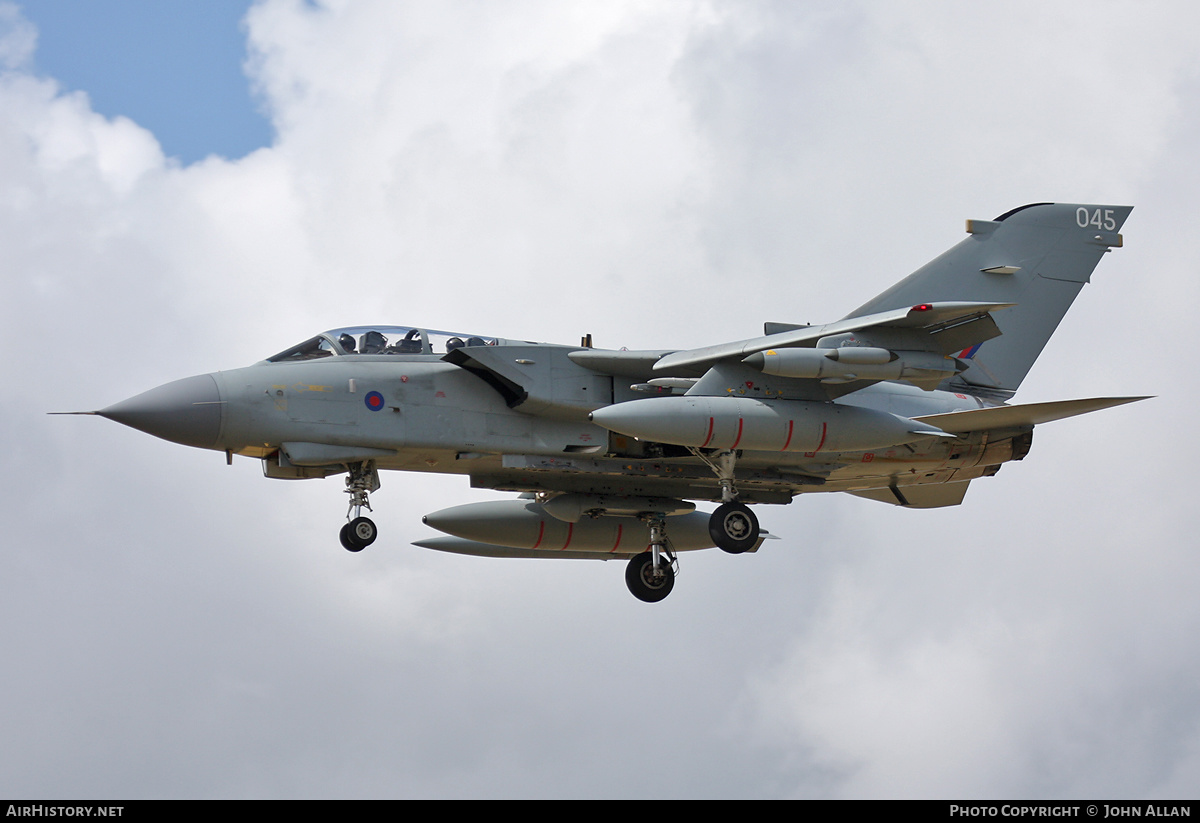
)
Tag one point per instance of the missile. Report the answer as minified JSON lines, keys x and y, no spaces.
{"x":847,"y":363}
{"x":525,"y":524}
{"x":761,"y":425}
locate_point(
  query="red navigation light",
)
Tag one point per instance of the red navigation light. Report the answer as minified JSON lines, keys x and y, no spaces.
{"x":922,"y":307}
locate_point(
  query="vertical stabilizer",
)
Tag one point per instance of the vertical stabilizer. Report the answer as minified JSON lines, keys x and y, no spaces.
{"x":1038,"y":257}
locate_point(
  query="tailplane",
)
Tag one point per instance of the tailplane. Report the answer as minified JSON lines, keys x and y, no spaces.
{"x":1037,"y":257}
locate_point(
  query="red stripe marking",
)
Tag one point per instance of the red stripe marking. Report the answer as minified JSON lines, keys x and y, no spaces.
{"x":541,"y":531}
{"x":739,"y":437}
{"x":620,"y":528}
{"x":710,"y":428}
{"x":570,"y":532}
{"x":822,"y":443}
{"x":788,"y":442}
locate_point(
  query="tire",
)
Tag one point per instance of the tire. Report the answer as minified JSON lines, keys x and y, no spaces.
{"x":348,"y":541}
{"x":734,"y":528}
{"x":639,"y":577}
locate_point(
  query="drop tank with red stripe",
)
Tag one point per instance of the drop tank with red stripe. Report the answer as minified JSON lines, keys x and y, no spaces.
{"x":760,"y":425}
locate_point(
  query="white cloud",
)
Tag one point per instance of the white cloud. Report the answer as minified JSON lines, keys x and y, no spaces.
{"x":18,"y":38}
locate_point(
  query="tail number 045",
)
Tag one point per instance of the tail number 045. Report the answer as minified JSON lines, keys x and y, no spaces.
{"x":1100,"y":219}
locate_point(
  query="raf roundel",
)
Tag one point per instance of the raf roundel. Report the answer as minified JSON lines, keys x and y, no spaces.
{"x":374,"y":401}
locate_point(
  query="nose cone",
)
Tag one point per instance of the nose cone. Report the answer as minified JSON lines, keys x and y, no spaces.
{"x":496,"y":521}
{"x":186,"y":411}
{"x":657,"y":418}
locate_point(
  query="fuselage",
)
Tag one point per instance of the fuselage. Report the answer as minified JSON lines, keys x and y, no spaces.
{"x":313,"y":411}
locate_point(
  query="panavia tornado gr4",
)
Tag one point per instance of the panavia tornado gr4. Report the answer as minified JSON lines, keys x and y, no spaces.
{"x":904,"y":401}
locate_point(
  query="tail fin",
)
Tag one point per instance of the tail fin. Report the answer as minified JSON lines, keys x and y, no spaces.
{"x":1038,"y":257}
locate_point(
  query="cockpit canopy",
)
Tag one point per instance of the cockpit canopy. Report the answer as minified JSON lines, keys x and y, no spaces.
{"x":379,"y":340}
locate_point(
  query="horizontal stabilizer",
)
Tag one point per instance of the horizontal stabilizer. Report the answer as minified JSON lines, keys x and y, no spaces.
{"x":1029,"y":414}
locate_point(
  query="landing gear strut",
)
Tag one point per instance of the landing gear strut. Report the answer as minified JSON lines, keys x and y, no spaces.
{"x":649,"y":575}
{"x":360,"y":531}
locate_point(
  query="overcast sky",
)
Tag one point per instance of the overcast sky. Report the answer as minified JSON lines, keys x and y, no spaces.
{"x":660,"y":175}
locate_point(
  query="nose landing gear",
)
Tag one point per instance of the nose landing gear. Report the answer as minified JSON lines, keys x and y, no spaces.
{"x":360,"y":531}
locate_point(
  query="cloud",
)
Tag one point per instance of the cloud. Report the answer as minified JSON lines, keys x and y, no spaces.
{"x":17,"y":38}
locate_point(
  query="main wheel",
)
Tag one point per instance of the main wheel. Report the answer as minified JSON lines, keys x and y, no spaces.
{"x":363,"y":531}
{"x":358,"y":534}
{"x":644,"y":582}
{"x":733,"y":527}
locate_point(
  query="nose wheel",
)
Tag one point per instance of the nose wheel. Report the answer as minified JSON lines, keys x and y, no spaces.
{"x":360,"y":531}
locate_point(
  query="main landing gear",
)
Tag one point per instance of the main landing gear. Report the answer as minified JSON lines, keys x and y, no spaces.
{"x":733,"y":527}
{"x":647,"y":582}
{"x":358,"y":534}
{"x":360,"y":531}
{"x":650,"y":575}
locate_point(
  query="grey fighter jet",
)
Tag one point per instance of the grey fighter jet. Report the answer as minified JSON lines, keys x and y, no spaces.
{"x":903,"y":401}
